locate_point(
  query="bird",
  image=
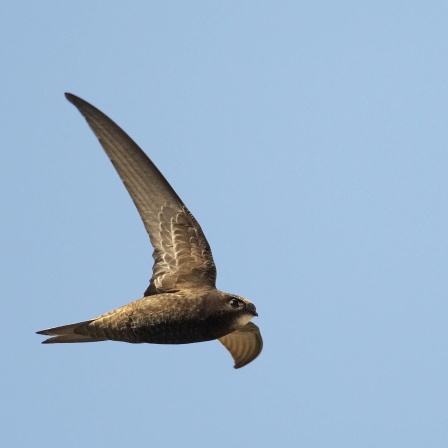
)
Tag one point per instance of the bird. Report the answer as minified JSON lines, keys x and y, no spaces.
{"x":181,"y":305}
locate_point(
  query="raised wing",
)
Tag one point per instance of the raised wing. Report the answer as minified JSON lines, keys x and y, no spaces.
{"x":182,"y":255}
{"x":244,"y":344}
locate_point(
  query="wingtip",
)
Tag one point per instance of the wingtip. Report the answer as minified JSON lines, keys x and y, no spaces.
{"x":238,"y":366}
{"x":72,"y":98}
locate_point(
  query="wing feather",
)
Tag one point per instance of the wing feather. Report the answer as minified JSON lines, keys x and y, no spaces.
{"x":244,"y":344}
{"x":182,"y":255}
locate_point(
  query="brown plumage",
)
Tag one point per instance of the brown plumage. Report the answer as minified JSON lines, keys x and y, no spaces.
{"x":181,"y":304}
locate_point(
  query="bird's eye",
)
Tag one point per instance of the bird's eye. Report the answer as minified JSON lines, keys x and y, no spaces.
{"x":234,"y":303}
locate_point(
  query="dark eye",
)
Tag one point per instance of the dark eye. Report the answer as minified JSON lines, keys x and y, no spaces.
{"x":234,"y":303}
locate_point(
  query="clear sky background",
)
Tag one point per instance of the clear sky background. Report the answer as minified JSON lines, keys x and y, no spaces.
{"x":310,"y":141}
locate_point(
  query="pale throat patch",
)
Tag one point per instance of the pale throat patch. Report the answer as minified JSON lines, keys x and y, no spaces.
{"x":241,"y":321}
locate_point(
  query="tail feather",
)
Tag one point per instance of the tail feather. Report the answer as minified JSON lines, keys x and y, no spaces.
{"x":71,"y":333}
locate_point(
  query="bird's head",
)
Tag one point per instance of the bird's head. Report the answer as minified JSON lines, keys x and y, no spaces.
{"x":230,"y":305}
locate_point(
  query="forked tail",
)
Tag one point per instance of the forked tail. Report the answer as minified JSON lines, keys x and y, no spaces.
{"x":78,"y":332}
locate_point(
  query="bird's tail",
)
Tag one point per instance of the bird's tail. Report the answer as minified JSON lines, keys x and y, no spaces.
{"x":78,"y":332}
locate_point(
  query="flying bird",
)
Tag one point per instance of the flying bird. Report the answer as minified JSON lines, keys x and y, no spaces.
{"x":181,"y":304}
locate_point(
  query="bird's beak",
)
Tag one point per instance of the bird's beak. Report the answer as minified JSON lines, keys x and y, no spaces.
{"x":252,"y":310}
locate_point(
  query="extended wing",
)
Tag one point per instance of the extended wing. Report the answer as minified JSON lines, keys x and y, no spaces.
{"x":182,"y":255}
{"x":244,"y":344}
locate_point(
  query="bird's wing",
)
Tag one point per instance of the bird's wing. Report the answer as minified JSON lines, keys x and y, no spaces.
{"x":182,"y":255}
{"x":244,"y":344}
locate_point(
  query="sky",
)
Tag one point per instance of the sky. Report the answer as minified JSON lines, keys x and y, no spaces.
{"x":310,"y":141}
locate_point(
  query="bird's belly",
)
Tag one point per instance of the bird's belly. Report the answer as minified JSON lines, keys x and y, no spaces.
{"x":180,"y":332}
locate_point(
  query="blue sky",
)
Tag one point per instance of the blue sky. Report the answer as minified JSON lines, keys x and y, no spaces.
{"x":309,"y":139}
